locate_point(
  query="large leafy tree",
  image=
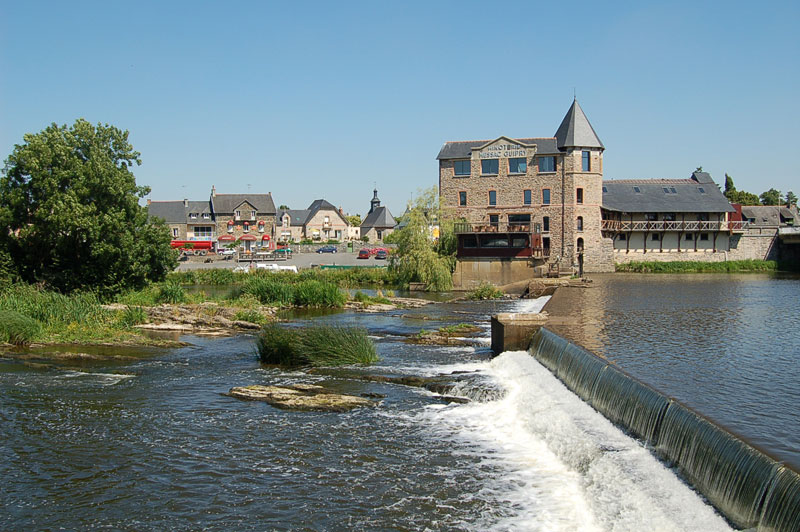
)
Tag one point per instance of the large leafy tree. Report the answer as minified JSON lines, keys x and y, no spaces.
{"x":791,"y":199}
{"x":771,"y":197}
{"x":70,"y":216}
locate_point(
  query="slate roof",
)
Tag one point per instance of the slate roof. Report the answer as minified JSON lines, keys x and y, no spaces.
{"x":575,"y":130}
{"x":177,"y":212}
{"x":321,"y":204}
{"x":463,"y":149}
{"x":227,"y":203}
{"x":380,"y":218}
{"x":297,"y":217}
{"x":767,"y":215}
{"x":620,"y":195}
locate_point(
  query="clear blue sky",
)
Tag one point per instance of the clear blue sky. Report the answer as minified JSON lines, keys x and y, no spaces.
{"x":309,"y":100}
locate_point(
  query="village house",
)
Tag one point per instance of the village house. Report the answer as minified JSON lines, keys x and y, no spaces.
{"x":187,"y":220}
{"x":526,"y":202}
{"x":668,"y":219}
{"x":321,"y":221}
{"x":379,"y":221}
{"x":247,"y":219}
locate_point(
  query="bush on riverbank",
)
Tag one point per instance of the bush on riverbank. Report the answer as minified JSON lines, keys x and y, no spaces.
{"x":732,"y":266}
{"x":485,"y":291}
{"x":18,"y":329}
{"x":343,"y":278}
{"x":315,"y":346}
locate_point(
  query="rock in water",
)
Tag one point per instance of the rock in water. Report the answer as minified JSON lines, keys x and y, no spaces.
{"x":300,"y":397}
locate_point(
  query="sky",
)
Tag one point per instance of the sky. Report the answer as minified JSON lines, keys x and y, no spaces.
{"x":311,"y":100}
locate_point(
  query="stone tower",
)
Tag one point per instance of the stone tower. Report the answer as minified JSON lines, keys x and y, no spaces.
{"x":582,"y":186}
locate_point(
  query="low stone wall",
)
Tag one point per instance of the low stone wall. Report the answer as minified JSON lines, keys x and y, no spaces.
{"x":469,"y":273}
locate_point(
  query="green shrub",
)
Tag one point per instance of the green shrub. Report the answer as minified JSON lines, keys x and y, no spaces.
{"x":732,"y":266}
{"x":250,"y":315}
{"x":316,"y":346}
{"x":318,"y":294}
{"x":18,"y":329}
{"x":361,"y":297}
{"x":131,"y":316}
{"x":485,"y":291}
{"x":171,"y":292}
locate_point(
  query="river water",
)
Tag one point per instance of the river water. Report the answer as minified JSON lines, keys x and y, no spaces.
{"x":150,"y":442}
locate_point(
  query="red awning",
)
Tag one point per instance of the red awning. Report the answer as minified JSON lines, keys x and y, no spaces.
{"x":226,"y":238}
{"x":261,"y":222}
{"x":247,"y":237}
{"x":265,"y":237}
{"x":230,"y":222}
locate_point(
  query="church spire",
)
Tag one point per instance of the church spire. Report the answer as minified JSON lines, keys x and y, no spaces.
{"x":575,"y":130}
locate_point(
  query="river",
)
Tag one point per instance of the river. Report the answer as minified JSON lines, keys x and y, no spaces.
{"x":151,"y":442}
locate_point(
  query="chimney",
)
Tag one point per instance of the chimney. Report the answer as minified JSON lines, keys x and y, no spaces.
{"x":213,"y":191}
{"x":186,"y":203}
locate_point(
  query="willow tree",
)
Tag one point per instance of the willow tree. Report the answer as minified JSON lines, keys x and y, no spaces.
{"x":420,"y":255}
{"x":70,"y":216}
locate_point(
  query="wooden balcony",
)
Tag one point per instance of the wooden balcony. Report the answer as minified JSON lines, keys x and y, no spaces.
{"x":466,"y":228}
{"x":673,"y":226}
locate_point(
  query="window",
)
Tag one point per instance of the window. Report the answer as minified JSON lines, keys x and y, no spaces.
{"x":206,"y":216}
{"x":605,"y":189}
{"x":519,"y":219}
{"x":252,"y":215}
{"x":579,"y":224}
{"x":655,"y":236}
{"x":490,"y":166}
{"x":238,"y":214}
{"x":672,"y":189}
{"x":579,"y":196}
{"x":519,"y":241}
{"x":492,"y":197}
{"x":526,"y":197}
{"x":462,"y":167}
{"x":174,"y":232}
{"x":490,"y":241}
{"x":193,"y":215}
{"x":203,"y":231}
{"x":246,"y":227}
{"x":546,"y":243}
{"x":517,"y":165}
{"x":545,"y":196}
{"x":669,"y":217}
{"x":546,"y":224}
{"x":688,"y":236}
{"x":462,"y":199}
{"x":580,"y":245}
{"x":651,"y":217}
{"x":701,"y":190}
{"x":622,"y":237}
{"x":703,"y":236}
{"x":494,"y":219}
{"x":665,"y":189}
{"x":587,"y":161}
{"x":469,"y":241}
{"x":637,"y":190}
{"x":547,"y":164}
{"x":379,"y":234}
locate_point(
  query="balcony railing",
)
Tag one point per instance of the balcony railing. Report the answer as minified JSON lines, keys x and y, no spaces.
{"x":462,"y":227}
{"x":666,"y":225}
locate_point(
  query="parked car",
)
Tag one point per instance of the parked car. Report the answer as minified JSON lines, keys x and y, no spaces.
{"x":363,"y":254}
{"x":381,"y":254}
{"x":227,"y":252}
{"x":327,"y":249}
{"x":374,"y":251}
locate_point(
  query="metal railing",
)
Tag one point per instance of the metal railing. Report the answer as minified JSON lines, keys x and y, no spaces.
{"x":668,"y":225}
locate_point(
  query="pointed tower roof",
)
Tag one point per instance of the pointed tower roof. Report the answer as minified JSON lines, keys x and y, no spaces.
{"x":575,"y":130}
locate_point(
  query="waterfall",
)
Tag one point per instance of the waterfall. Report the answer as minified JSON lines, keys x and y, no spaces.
{"x":747,"y":486}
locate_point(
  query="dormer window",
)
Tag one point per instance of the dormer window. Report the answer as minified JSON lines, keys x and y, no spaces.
{"x":238,"y":214}
{"x":206,"y":216}
{"x":193,"y":215}
{"x":637,"y":190}
{"x":701,"y":190}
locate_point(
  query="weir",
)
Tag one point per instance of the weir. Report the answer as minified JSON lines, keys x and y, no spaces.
{"x":749,"y":488}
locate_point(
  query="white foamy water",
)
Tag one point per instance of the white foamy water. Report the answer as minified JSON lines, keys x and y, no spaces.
{"x":553,"y":463}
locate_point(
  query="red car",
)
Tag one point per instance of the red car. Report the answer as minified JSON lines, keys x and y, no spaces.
{"x":363,"y":254}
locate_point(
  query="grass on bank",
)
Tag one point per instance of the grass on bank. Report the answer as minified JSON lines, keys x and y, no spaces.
{"x":320,"y":345}
{"x":29,"y":314}
{"x":344,"y":278}
{"x":733,"y":266}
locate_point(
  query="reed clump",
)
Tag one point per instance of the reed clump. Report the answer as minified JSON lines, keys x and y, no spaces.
{"x":18,"y":329}
{"x":320,"y":345}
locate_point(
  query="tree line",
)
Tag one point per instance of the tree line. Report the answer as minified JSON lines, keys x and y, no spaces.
{"x":770,"y":197}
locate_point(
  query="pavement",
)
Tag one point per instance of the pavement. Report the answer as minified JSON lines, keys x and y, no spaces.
{"x":301,"y":260}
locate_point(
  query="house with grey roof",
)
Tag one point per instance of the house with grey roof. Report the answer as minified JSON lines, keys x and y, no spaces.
{"x":674,"y":218}
{"x":248,"y":219}
{"x":187,"y":220}
{"x":321,"y":221}
{"x":379,"y":222}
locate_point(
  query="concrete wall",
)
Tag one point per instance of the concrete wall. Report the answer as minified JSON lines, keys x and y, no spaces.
{"x":469,"y":273}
